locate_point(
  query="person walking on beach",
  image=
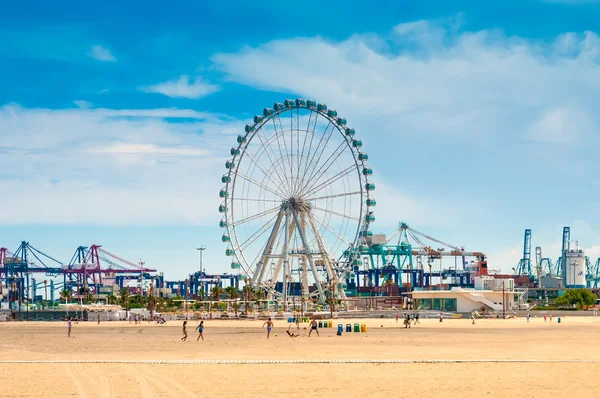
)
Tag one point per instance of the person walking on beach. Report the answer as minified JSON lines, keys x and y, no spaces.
{"x":269,"y":324}
{"x":396,"y":317}
{"x":528,"y":317}
{"x":98,"y":319}
{"x":313,"y":326}
{"x":417,"y":318}
{"x":200,"y":329}
{"x":441,"y":317}
{"x":184,"y":338}
{"x":69,"y":324}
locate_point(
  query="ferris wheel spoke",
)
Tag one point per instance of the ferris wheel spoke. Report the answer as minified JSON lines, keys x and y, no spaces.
{"x":258,"y":184}
{"x":335,"y":213}
{"x":312,"y":136}
{"x":256,"y":200}
{"x":255,"y":216}
{"x":267,"y":145}
{"x":338,"y":195}
{"x":265,"y":172}
{"x":331,"y":229}
{"x":319,"y":145}
{"x":316,"y":176}
{"x":298,"y":158}
{"x":317,"y":239}
{"x":282,"y":157}
{"x":259,"y":232}
{"x":314,"y":170}
{"x":312,"y":189}
{"x":301,"y":155}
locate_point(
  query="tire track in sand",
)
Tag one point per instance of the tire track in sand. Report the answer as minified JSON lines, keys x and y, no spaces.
{"x":106,"y":390}
{"x":164,"y":383}
{"x":146,"y":389}
{"x":81,"y":391}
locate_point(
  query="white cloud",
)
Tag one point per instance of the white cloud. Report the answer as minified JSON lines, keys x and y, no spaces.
{"x":562,"y":125}
{"x":83,"y":104}
{"x":184,"y":87}
{"x":147,"y":149}
{"x":113,"y":167}
{"x":100,"y":53}
{"x":434,"y":79}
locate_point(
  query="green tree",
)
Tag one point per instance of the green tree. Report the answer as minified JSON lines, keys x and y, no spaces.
{"x":216,"y":293}
{"x":259,"y":295}
{"x":233,"y":294}
{"x":577,"y":297}
{"x":151,"y":303}
{"x":248,"y":295}
{"x":66,"y":295}
{"x":124,"y":299}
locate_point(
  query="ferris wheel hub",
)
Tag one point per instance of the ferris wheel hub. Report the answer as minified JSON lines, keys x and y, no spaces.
{"x":298,"y":205}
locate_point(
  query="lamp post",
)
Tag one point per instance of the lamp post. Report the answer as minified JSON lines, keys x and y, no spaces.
{"x":440,"y":250}
{"x":186,"y":297}
{"x":517,"y":310}
{"x":200,"y":250}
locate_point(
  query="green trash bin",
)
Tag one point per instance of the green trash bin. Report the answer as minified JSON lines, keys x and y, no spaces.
{"x":356,"y":328}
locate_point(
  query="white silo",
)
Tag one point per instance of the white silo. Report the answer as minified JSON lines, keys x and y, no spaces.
{"x":575,"y":265}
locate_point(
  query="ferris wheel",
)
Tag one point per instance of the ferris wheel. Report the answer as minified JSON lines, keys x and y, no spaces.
{"x":296,"y":204}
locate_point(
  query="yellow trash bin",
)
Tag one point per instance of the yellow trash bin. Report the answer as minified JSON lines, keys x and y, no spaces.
{"x":330,"y":324}
{"x":363,"y":328}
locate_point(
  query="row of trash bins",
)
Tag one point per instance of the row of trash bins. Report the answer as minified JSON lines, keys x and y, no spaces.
{"x":358,"y":328}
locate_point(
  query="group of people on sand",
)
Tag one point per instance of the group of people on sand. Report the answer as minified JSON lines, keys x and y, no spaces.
{"x":313,"y":327}
{"x":409,"y":319}
{"x":199,"y":328}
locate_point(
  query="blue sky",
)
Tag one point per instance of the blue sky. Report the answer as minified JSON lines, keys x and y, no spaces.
{"x":116,"y":120}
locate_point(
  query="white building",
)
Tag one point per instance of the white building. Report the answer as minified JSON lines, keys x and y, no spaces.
{"x":489,"y":294}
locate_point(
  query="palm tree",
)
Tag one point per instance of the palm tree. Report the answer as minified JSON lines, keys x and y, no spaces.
{"x":248,"y":294}
{"x":233,"y":294}
{"x":216,"y":292}
{"x":151,"y":304}
{"x":66,"y":295}
{"x":89,"y":297}
{"x":162,"y":302}
{"x":259,"y":295}
{"x":124,"y":296}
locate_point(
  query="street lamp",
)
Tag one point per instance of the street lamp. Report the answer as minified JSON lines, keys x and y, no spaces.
{"x":186,"y":297}
{"x":200,"y":250}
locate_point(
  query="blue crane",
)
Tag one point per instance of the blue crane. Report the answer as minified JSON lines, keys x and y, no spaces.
{"x":524,"y":266}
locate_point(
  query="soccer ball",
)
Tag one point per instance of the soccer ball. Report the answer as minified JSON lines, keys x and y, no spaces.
{"x":275,"y":334}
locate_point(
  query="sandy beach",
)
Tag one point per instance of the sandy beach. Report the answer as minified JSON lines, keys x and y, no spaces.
{"x":571,"y":340}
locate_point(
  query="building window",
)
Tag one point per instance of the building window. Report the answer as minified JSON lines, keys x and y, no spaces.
{"x":449,"y":304}
{"x":439,"y":304}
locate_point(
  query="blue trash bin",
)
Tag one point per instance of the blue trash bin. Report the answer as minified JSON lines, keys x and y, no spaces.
{"x":340,"y":328}
{"x":289,"y":320}
{"x":558,"y":319}
{"x":349,"y":328}
{"x":320,"y":324}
